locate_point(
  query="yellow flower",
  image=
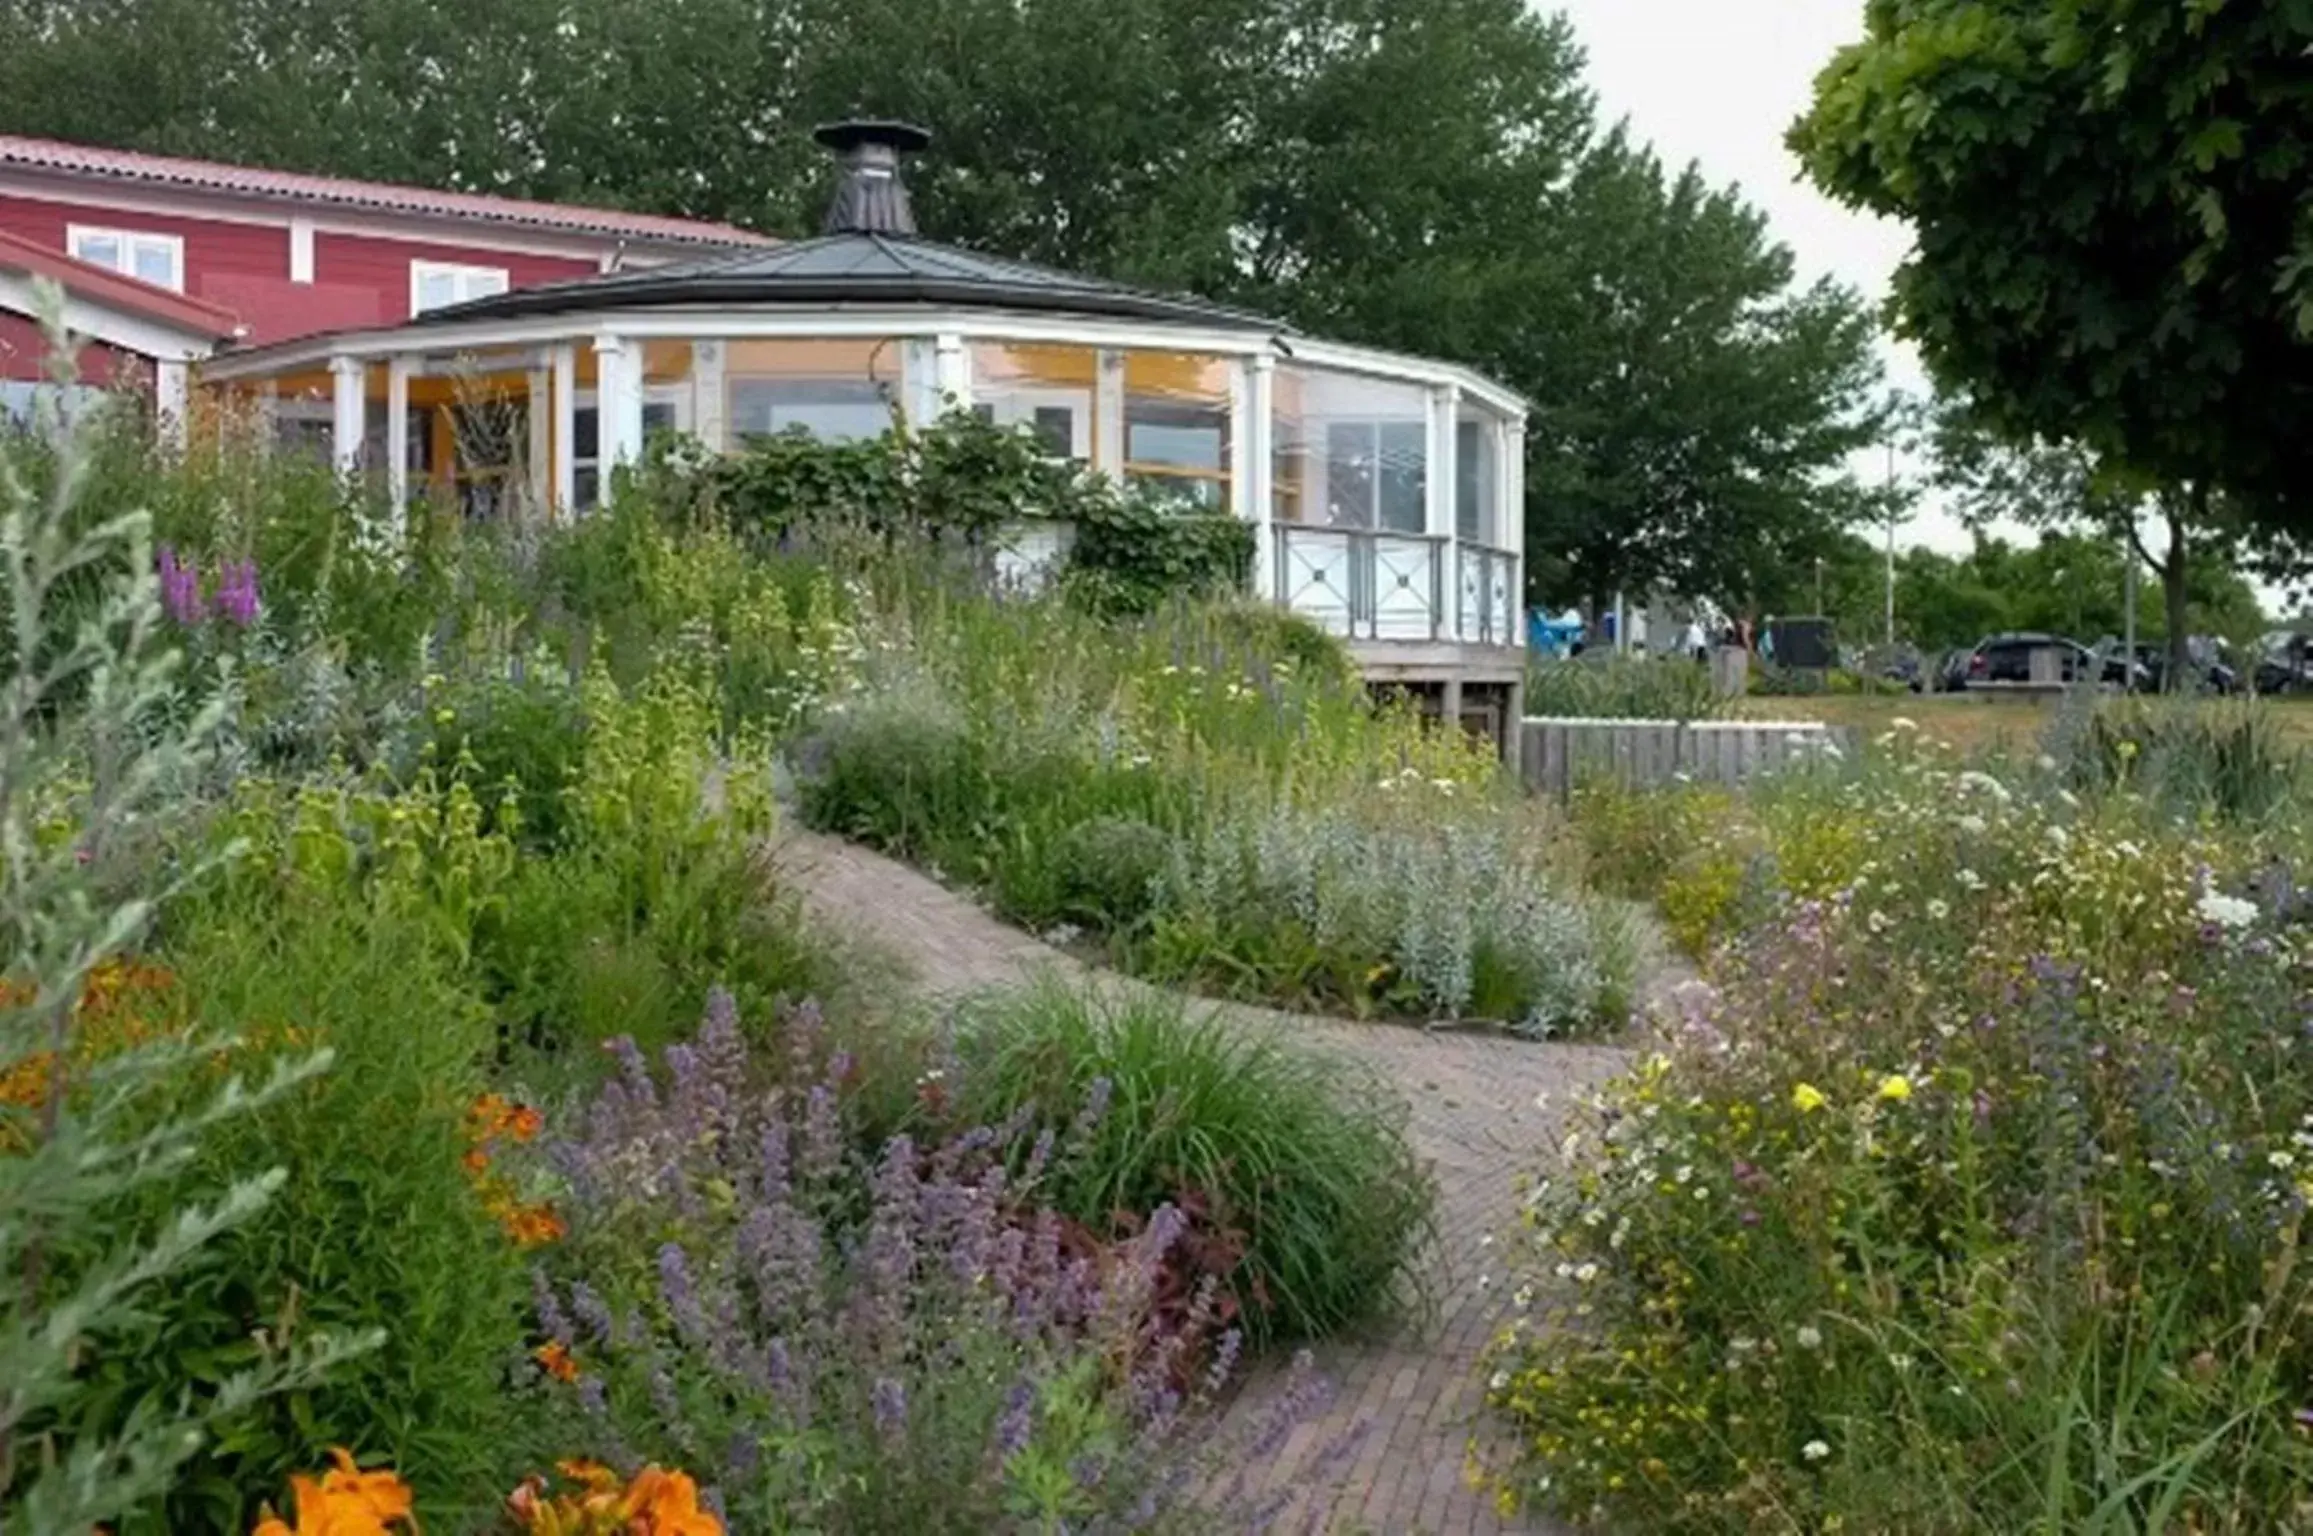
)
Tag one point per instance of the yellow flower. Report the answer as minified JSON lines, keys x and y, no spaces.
{"x":1808,"y":1098}
{"x":1895,"y":1087}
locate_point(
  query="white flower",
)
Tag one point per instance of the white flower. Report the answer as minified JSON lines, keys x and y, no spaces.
{"x":1900,"y":1362}
{"x":1901,"y":723}
{"x":1972,"y":824}
{"x":2226,"y":911}
{"x":1498,"y":1380}
{"x":1938,"y":910}
{"x":1810,"y":1336}
{"x":1969,"y":880}
{"x":2045,"y":763}
{"x":2281,"y":1160}
{"x":1815,"y":1450}
{"x":1976,"y":778}
{"x":1586,"y":1273}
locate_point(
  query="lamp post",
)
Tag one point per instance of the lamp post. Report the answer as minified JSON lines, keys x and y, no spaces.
{"x":1891,"y":547}
{"x":1819,"y":586}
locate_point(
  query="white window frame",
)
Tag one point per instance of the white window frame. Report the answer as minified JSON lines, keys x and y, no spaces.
{"x":128,"y":241}
{"x":467,"y":281}
{"x":1010,"y":407}
{"x":676,"y":397}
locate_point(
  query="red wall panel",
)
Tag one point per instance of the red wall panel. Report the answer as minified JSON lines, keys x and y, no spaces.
{"x":23,"y":350}
{"x":383,"y":266}
{"x":360,"y":280}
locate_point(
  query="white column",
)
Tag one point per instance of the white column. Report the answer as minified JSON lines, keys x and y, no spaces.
{"x":618,"y":401}
{"x":919,"y":382}
{"x":540,"y":429}
{"x":565,"y":479}
{"x":1510,"y":532}
{"x":398,"y":433}
{"x":952,"y":373}
{"x":1444,"y":517}
{"x":1260,"y":470}
{"x":349,"y":411}
{"x":172,"y":398}
{"x":1108,"y":415}
{"x":1445,"y":408}
{"x":710,"y":407}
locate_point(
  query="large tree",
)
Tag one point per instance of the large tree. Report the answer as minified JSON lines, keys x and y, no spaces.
{"x":1421,"y":174}
{"x":2115,"y":235}
{"x":1694,"y":409}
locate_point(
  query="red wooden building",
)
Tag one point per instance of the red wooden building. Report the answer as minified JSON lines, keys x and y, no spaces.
{"x":168,"y":260}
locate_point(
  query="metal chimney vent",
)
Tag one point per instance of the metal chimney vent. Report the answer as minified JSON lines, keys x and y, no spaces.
{"x":870,"y":198}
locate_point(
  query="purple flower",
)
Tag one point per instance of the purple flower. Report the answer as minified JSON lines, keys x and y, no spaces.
{"x":1012,"y":1430}
{"x":180,"y":588}
{"x":237,"y":592}
{"x":889,"y":1401}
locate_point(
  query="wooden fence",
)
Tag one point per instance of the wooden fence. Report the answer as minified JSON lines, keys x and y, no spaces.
{"x":1558,"y":753}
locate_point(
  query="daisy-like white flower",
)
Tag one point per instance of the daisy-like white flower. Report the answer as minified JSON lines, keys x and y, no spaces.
{"x":1815,"y":1450}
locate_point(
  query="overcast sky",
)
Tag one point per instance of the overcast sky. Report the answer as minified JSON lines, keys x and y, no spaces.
{"x":1718,"y":81}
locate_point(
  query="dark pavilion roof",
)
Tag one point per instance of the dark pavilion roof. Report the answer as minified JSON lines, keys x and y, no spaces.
{"x":855,"y":267}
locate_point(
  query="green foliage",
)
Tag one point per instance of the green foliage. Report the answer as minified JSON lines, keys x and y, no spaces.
{"x":1131,"y":555}
{"x":1317,"y":853}
{"x":1109,"y":870}
{"x":93,"y":1136}
{"x":1303,"y":1197}
{"x":378,"y":1226}
{"x":1759,"y":391}
{"x":2228,"y":762}
{"x":1962,"y":1198}
{"x":1608,"y":687}
{"x":2110,"y":251}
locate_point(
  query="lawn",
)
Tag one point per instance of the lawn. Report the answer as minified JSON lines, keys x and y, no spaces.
{"x":1973,"y":724}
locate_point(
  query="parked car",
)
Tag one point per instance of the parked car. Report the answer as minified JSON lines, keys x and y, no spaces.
{"x":1951,"y":673}
{"x":2210,"y":672}
{"x":2007,"y":658}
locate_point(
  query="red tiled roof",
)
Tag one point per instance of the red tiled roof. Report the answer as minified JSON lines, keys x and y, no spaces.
{"x":112,"y":290}
{"x":381,"y":197}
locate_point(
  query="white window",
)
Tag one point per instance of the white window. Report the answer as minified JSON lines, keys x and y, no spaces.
{"x":438,"y":284}
{"x":665,"y":410}
{"x":1060,"y":418}
{"x":156,"y":259}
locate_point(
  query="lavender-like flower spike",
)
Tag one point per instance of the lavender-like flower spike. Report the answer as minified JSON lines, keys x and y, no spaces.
{"x":237,"y":592}
{"x":549,"y":1308}
{"x":889,"y":1400}
{"x":1013,"y":1429}
{"x":180,"y":588}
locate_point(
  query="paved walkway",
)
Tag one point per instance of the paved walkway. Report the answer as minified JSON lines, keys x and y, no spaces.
{"x":1475,"y":1117}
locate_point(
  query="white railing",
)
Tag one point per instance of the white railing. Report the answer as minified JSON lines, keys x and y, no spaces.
{"x":1371,"y":584}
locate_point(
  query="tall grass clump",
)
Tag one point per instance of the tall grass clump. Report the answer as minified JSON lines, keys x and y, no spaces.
{"x":1604,"y":686}
{"x":1299,"y":1192}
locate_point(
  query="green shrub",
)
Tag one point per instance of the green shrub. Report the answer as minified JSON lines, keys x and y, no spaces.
{"x":378,"y":1225}
{"x":2188,"y":757}
{"x":1304,"y":1196}
{"x":1109,"y":869}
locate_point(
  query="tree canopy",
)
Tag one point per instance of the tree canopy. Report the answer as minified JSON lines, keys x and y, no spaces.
{"x":2115,"y":234}
{"x":1428,"y":175}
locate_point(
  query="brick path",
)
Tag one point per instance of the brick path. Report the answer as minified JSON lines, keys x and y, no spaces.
{"x":1415,"y":1388}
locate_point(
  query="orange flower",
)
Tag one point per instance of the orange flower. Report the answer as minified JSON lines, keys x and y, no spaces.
{"x":669,"y":1501}
{"x":655,"y":1503}
{"x":531,"y":1226}
{"x":554,"y":1358}
{"x":477,"y":1161}
{"x":346,"y":1502}
{"x":525,"y":1123}
{"x":587,"y":1474}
